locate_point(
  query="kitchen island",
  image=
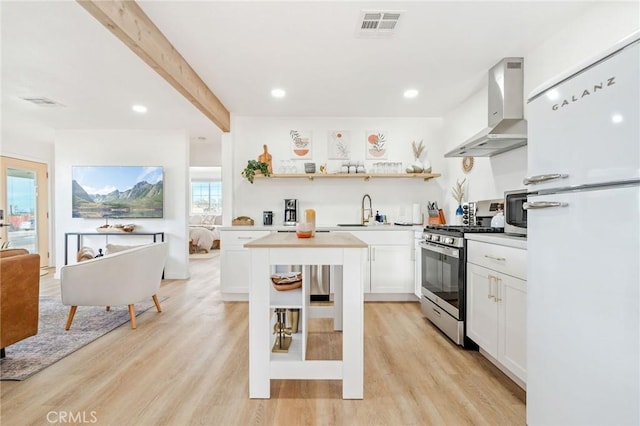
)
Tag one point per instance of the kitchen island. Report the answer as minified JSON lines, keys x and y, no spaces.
{"x":345,"y":253}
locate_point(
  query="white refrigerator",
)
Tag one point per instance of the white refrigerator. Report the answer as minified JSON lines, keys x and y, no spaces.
{"x":583,"y":299}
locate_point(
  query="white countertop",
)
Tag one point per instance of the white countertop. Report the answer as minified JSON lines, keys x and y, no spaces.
{"x":321,"y":228}
{"x":323,"y":240}
{"x":500,"y":239}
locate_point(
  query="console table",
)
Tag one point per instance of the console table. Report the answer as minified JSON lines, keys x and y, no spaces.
{"x":79,"y":236}
{"x":345,"y":253}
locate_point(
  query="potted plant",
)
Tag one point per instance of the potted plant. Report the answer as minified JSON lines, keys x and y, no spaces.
{"x":254,"y":167}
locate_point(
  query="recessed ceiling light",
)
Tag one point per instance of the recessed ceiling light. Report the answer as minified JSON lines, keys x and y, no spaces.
{"x":411,"y":93}
{"x":139,"y":109}
{"x":278,"y":93}
{"x":617,"y":118}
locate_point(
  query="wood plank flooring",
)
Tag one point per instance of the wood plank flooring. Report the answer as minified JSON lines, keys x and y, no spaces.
{"x":189,"y":365}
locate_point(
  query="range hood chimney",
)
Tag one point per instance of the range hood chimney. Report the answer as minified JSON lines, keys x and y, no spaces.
{"x":507,"y":129}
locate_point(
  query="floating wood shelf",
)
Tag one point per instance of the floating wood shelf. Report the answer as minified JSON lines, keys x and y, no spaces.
{"x":365,"y":176}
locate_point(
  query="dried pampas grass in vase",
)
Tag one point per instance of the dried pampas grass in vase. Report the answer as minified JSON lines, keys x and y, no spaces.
{"x":458,"y":195}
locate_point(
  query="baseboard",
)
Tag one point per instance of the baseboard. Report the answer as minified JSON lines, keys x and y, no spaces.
{"x":390,"y":297}
{"x":502,"y":368}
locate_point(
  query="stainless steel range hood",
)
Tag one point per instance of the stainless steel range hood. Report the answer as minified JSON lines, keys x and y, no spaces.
{"x":507,"y":129}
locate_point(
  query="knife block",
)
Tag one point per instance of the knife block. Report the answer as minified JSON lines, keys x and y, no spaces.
{"x":437,"y":220}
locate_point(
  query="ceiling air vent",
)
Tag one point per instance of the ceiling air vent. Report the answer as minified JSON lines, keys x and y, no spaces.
{"x":40,"y":101}
{"x":378,"y":23}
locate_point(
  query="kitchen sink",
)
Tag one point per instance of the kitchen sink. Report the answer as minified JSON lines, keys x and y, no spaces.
{"x":351,"y":224}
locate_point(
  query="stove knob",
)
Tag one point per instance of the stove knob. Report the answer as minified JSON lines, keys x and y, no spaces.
{"x":427,"y":237}
{"x":448,"y":240}
{"x":435,"y":238}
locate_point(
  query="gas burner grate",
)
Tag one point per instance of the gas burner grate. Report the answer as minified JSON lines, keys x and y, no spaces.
{"x":463,"y":229}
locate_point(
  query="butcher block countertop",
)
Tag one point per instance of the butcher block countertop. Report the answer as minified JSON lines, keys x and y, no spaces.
{"x":321,"y":240}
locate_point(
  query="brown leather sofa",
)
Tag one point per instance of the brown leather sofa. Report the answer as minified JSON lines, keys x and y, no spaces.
{"x":19,"y":296}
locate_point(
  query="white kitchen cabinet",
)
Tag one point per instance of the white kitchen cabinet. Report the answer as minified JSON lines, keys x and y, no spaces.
{"x":497,"y":304}
{"x":482,"y":310}
{"x":235,"y":260}
{"x":417,"y":271}
{"x":392,"y":269}
{"x":389,"y":275}
{"x":512,"y":337}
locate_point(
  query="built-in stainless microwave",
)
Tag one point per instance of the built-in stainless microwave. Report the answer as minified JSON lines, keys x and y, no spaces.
{"x":515,"y":216}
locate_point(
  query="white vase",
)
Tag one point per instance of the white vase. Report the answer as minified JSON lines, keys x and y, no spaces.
{"x":417,"y":166}
{"x":426,"y":166}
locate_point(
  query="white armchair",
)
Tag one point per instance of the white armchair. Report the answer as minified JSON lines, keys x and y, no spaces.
{"x":122,"y":278}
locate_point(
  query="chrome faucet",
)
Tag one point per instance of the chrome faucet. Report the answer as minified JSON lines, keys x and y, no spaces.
{"x":364,"y":219}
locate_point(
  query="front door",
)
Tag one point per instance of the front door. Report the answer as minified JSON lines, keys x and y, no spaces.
{"x":23,"y":206}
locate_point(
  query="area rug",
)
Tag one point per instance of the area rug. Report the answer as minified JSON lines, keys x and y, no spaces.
{"x":53,"y":342}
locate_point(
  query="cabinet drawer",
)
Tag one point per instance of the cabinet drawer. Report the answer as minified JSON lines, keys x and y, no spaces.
{"x":239,"y":238}
{"x":508,"y":260}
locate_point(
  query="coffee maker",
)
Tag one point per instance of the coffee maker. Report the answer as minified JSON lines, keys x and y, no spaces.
{"x":290,"y":211}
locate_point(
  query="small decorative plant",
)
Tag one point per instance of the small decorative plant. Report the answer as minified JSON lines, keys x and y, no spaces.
{"x":417,"y":149}
{"x":254,"y":166}
{"x":458,"y":191}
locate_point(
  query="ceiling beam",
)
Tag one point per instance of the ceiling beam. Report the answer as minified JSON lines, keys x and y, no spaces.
{"x":127,"y":21}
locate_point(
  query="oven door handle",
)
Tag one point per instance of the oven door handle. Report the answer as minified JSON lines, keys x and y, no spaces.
{"x":438,"y":249}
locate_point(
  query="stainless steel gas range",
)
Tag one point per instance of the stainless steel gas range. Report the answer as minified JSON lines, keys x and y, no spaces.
{"x":443,"y":259}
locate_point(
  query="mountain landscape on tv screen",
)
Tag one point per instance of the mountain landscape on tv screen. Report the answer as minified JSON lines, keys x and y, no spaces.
{"x":143,"y":200}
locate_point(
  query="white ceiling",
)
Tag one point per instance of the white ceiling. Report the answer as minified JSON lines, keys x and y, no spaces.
{"x":243,"y":49}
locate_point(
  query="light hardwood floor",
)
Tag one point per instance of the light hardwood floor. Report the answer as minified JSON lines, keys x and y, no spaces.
{"x":189,"y":365}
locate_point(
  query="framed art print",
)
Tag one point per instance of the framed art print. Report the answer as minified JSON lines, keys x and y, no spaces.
{"x":300,"y":144}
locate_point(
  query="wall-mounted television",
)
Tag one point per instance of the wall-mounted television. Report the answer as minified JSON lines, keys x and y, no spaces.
{"x":131,"y":192}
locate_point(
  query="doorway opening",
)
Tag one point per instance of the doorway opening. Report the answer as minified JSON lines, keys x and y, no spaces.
{"x":24,"y":217}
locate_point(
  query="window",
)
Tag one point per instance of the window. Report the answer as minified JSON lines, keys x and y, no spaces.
{"x":206,"y":197}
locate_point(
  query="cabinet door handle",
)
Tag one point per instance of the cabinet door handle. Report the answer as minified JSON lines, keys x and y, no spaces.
{"x":373,"y":253}
{"x":488,"y":256}
{"x":499,"y":289}
{"x":490,"y":291}
{"x":245,"y":238}
{"x":544,"y":178}
{"x":543,"y":205}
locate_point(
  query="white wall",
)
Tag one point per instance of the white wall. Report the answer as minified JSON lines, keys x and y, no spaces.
{"x":27,"y":150}
{"x":128,"y":148}
{"x":602,"y":25}
{"x":205,"y":173}
{"x":335,"y":200}
{"x":205,"y":153}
